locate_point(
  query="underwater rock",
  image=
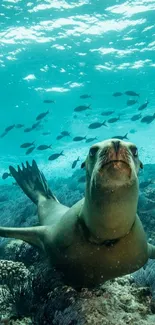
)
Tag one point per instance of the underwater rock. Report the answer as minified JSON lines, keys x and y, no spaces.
{"x":117,"y":301}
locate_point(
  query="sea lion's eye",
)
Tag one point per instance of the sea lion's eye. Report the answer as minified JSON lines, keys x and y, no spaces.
{"x":134,"y":151}
{"x":93,"y":151}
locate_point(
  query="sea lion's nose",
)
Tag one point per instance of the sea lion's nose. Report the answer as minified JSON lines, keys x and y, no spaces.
{"x":116,"y":145}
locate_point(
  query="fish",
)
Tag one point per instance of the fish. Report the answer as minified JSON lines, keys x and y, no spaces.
{"x":35,"y":125}
{"x":131,"y":102}
{"x":29,"y":150}
{"x":133,"y":131}
{"x":146,"y":183}
{"x":65,"y":133}
{"x":79,"y":138}
{"x":27,"y":130}
{"x":121,"y":137}
{"x":131,"y":93}
{"x":85,"y":96}
{"x":117,"y":94}
{"x":9,"y":128}
{"x":75,"y":162}
{"x":39,"y":127}
{"x":19,"y":126}
{"x":136,"y":117}
{"x":107,"y":113}
{"x":114,"y":119}
{"x":27,"y":144}
{"x":141,"y":107}
{"x":96,"y":125}
{"x":4,"y":134}
{"x":91,"y":139}
{"x":46,"y":133}
{"x":82,"y":179}
{"x":44,"y":147}
{"x":49,"y":101}
{"x":55,"y":155}
{"x":6,"y":175}
{"x":148,"y":119}
{"x":81,"y":108}
{"x":41,"y":116}
{"x":59,"y":137}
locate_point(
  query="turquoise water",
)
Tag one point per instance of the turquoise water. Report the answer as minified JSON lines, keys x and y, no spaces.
{"x":60,"y":50}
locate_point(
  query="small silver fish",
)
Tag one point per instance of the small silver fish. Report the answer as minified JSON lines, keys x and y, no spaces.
{"x":117,"y":94}
{"x":85,"y":96}
{"x":143,"y":106}
{"x":91,"y":139}
{"x":27,"y":144}
{"x":35,"y":125}
{"x":79,"y":138}
{"x":81,"y":108}
{"x":75,"y":162}
{"x":6,"y":175}
{"x":136,"y":117}
{"x":121,"y":137}
{"x":131,"y":93}
{"x":148,"y":119}
{"x":131,"y":102}
{"x":28,"y":130}
{"x":114,"y":119}
{"x":19,"y":126}
{"x":133,"y":131}
{"x":49,"y":101}
{"x":97,"y":125}
{"x":59,"y":137}
{"x":107,"y":113}
{"x":29,"y":150}
{"x":42,"y":115}
{"x":65,"y":133}
{"x":56,"y":155}
{"x":44,"y":147}
{"x":9,"y":128}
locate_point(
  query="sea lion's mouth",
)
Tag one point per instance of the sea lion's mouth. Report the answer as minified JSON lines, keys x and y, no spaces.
{"x":115,"y":161}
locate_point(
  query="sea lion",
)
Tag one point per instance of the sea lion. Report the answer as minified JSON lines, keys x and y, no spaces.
{"x":100,"y":237}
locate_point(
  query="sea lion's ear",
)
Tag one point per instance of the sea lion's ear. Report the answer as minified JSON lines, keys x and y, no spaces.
{"x":83,"y":164}
{"x":141,"y":165}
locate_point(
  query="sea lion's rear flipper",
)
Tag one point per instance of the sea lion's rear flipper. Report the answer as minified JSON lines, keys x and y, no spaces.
{"x":32,"y":182}
{"x":32,"y":235}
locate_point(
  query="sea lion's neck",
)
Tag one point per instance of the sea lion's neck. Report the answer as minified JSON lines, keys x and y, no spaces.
{"x":110,"y":214}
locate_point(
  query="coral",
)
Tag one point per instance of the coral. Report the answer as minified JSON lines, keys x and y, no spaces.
{"x":7,"y":305}
{"x":18,"y":280}
{"x":20,"y":251}
{"x":116,"y":302}
{"x":145,"y":277}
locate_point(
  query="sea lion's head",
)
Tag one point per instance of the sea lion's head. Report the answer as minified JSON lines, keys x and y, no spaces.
{"x":111,"y":164}
{"x":111,"y":195}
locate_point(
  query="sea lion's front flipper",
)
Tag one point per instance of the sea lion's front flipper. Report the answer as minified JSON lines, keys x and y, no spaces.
{"x":32,"y":235}
{"x":32,"y":182}
{"x":151,"y":251}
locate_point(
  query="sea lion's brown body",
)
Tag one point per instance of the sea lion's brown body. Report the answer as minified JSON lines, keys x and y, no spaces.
{"x":88,"y":264}
{"x":100,"y":237}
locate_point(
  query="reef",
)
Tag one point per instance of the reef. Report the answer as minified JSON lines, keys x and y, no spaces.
{"x":33,"y":293}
